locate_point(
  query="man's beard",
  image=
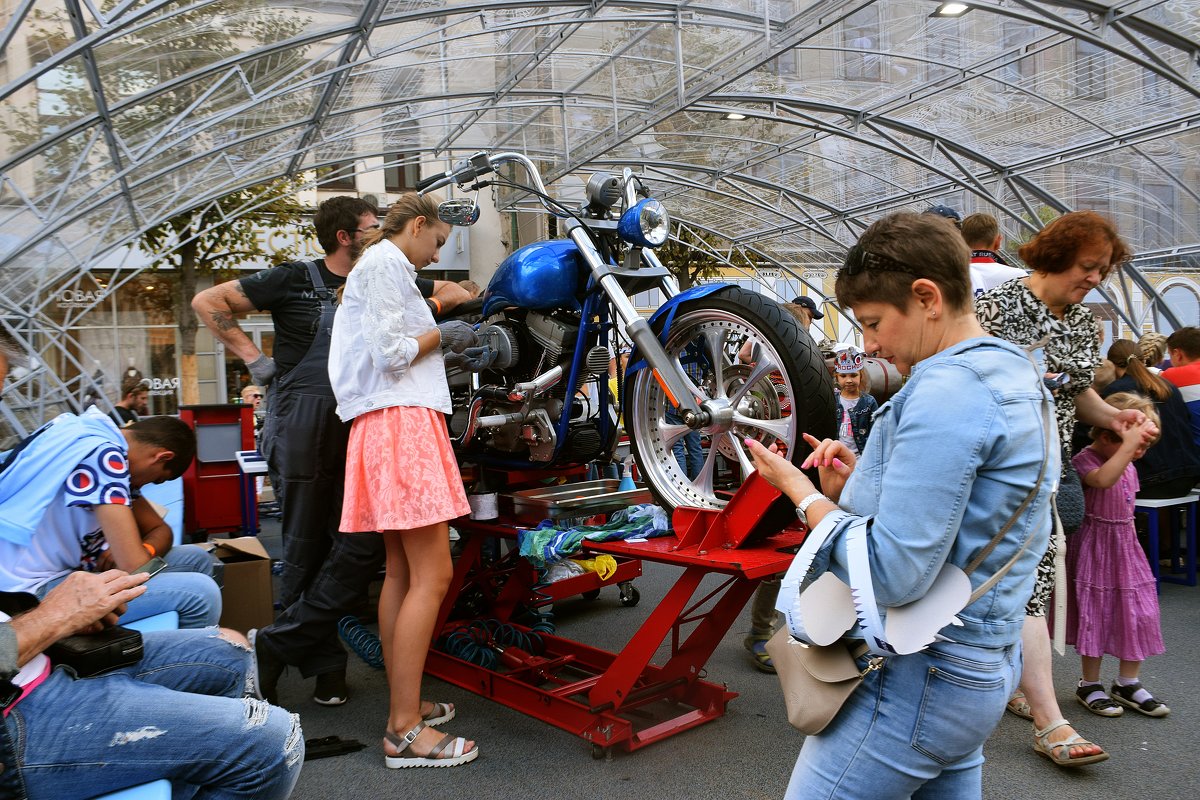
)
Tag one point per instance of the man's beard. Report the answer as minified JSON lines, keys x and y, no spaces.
{"x":355,"y":249}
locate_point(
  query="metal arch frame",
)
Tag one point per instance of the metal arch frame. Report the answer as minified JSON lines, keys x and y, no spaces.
{"x":354,"y":46}
{"x":326,"y":34}
{"x":129,"y":16}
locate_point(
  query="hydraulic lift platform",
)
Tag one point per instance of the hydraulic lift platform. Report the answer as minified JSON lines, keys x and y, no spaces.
{"x":621,"y":700}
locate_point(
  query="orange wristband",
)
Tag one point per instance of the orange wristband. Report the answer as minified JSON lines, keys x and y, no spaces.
{"x":437,"y":305}
{"x":150,"y":549}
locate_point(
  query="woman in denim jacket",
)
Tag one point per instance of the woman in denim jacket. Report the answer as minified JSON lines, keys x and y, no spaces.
{"x":950,"y":457}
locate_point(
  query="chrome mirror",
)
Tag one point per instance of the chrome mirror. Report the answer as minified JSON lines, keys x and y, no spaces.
{"x":459,"y":211}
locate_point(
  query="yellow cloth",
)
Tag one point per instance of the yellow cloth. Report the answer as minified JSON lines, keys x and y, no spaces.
{"x":604,"y":566}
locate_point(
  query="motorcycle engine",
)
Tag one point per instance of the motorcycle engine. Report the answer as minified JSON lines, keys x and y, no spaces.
{"x":529,"y":347}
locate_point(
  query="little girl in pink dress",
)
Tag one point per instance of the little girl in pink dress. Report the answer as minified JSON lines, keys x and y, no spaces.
{"x":1116,"y":601}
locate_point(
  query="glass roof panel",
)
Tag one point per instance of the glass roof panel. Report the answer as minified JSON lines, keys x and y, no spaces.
{"x":851,"y":108}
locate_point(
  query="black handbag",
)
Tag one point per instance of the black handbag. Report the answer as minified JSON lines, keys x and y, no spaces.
{"x":91,"y":654}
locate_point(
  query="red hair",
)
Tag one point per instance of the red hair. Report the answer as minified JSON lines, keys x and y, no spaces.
{"x":1054,"y":248}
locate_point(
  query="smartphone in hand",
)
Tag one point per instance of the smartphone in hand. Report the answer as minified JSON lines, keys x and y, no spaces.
{"x":153,"y":566}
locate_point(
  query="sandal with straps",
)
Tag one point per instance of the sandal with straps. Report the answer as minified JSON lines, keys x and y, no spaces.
{"x":1096,"y":700}
{"x":458,"y":752}
{"x":1019,"y":706}
{"x":440,"y":713}
{"x":1060,"y":752}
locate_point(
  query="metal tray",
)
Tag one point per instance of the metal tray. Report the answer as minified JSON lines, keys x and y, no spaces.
{"x":572,"y":500}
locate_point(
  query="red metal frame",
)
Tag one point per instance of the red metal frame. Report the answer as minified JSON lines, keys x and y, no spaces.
{"x":590,"y":692}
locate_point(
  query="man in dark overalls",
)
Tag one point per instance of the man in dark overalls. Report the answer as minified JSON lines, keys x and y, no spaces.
{"x":325,"y":573}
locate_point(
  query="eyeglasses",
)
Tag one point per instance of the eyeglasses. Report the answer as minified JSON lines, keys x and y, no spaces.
{"x":859,"y":260}
{"x":257,"y":396}
{"x":374,"y":227}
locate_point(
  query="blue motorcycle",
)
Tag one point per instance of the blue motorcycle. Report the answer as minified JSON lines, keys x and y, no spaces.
{"x":716,"y":360}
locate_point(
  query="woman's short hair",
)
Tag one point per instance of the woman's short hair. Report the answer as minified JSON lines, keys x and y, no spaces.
{"x":900,"y":248}
{"x":1055,"y":246}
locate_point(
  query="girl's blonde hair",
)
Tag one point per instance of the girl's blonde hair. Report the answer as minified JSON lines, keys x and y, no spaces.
{"x":1124,"y":354}
{"x":1126,"y":400}
{"x":1153,"y":347}
{"x":864,"y":381}
{"x":407,"y":207}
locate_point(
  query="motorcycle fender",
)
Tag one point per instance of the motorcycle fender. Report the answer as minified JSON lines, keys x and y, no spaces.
{"x":666,"y":312}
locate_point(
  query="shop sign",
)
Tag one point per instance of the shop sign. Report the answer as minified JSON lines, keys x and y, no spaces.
{"x":163,"y":386}
{"x":79,"y":298}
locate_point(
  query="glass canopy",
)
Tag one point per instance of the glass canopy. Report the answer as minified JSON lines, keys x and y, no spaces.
{"x":782,"y":127}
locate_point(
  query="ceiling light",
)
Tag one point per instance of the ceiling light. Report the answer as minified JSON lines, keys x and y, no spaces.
{"x":733,"y":115}
{"x":951,"y":10}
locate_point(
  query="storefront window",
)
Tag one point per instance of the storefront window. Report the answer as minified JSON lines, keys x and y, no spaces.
{"x":118,"y":327}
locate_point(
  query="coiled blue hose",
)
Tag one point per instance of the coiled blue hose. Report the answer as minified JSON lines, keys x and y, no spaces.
{"x":362,"y":641}
{"x":475,"y":641}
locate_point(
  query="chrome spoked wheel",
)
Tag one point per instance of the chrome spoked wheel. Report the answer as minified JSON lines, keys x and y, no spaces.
{"x":759,"y":375}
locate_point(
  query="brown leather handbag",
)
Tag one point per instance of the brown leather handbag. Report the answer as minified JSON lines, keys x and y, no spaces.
{"x":816,"y":680}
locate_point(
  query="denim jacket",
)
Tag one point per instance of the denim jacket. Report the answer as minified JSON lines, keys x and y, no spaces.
{"x":860,"y":418}
{"x":950,"y":459}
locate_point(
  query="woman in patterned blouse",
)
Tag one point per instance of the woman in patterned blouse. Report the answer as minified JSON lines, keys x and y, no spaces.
{"x":1069,"y":258}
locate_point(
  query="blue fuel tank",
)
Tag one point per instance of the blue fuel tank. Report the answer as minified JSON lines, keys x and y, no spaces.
{"x":538,"y":276}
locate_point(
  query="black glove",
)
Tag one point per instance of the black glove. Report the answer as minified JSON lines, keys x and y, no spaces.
{"x":262,"y":370}
{"x":457,"y":335}
{"x":473,"y":359}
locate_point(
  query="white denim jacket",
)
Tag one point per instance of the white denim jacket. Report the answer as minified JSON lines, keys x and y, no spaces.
{"x":371,"y":356}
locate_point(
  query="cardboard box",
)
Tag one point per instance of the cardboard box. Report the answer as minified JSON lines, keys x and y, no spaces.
{"x":246,"y":597}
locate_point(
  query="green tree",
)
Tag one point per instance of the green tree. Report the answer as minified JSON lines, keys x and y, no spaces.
{"x":149,"y":60}
{"x":689,"y":257}
{"x":212,"y":238}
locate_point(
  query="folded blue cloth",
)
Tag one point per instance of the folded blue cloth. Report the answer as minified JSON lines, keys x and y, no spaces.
{"x":550,"y":541}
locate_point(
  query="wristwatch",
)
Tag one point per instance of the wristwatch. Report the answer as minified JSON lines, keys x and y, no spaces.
{"x":802,"y":508}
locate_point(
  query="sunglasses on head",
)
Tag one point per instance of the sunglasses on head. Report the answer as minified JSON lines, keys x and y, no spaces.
{"x":858,"y":259}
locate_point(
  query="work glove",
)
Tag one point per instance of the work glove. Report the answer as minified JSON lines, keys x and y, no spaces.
{"x":457,"y":335}
{"x":473,"y":359}
{"x":262,"y":370}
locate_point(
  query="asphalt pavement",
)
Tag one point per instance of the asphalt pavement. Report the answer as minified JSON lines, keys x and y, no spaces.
{"x":749,"y":752}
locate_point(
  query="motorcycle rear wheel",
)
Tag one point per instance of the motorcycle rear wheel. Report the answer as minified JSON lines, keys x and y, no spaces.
{"x":783,"y":391}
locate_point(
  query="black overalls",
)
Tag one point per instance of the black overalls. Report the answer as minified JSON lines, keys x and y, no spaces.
{"x":325,"y":572}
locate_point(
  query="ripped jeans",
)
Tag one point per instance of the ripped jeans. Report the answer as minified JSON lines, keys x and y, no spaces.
{"x":180,"y":714}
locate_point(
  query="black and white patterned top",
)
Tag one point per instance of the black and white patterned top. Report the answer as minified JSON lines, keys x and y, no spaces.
{"x":1012,"y":312}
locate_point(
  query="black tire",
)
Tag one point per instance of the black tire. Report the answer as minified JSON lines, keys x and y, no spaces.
{"x":629,"y":595}
{"x":778,"y":405}
{"x":590,"y":594}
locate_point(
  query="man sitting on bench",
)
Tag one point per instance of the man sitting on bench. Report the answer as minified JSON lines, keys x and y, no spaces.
{"x":69,"y":501}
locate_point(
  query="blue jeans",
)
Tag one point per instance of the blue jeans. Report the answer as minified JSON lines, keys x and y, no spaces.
{"x":688,"y":450}
{"x":185,"y":585}
{"x":915,"y":728}
{"x":179,"y":714}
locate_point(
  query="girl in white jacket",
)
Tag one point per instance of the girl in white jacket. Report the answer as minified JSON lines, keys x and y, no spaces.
{"x":402,"y":479}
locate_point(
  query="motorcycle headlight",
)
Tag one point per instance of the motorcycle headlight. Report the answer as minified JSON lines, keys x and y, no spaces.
{"x":645,"y":224}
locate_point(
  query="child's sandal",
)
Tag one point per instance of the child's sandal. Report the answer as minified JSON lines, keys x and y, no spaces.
{"x":457,"y":753}
{"x":1151,"y":707}
{"x":1094,"y":699}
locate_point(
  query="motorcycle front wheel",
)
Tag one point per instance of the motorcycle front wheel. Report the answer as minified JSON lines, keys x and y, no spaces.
{"x":763,"y":374}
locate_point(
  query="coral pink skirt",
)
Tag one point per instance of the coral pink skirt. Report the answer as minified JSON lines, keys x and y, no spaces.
{"x":401,"y":473}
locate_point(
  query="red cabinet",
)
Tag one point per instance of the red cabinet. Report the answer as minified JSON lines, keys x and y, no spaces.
{"x":212,"y":485}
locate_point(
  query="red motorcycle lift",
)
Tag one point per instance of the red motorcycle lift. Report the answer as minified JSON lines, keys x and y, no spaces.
{"x":621,"y":699}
